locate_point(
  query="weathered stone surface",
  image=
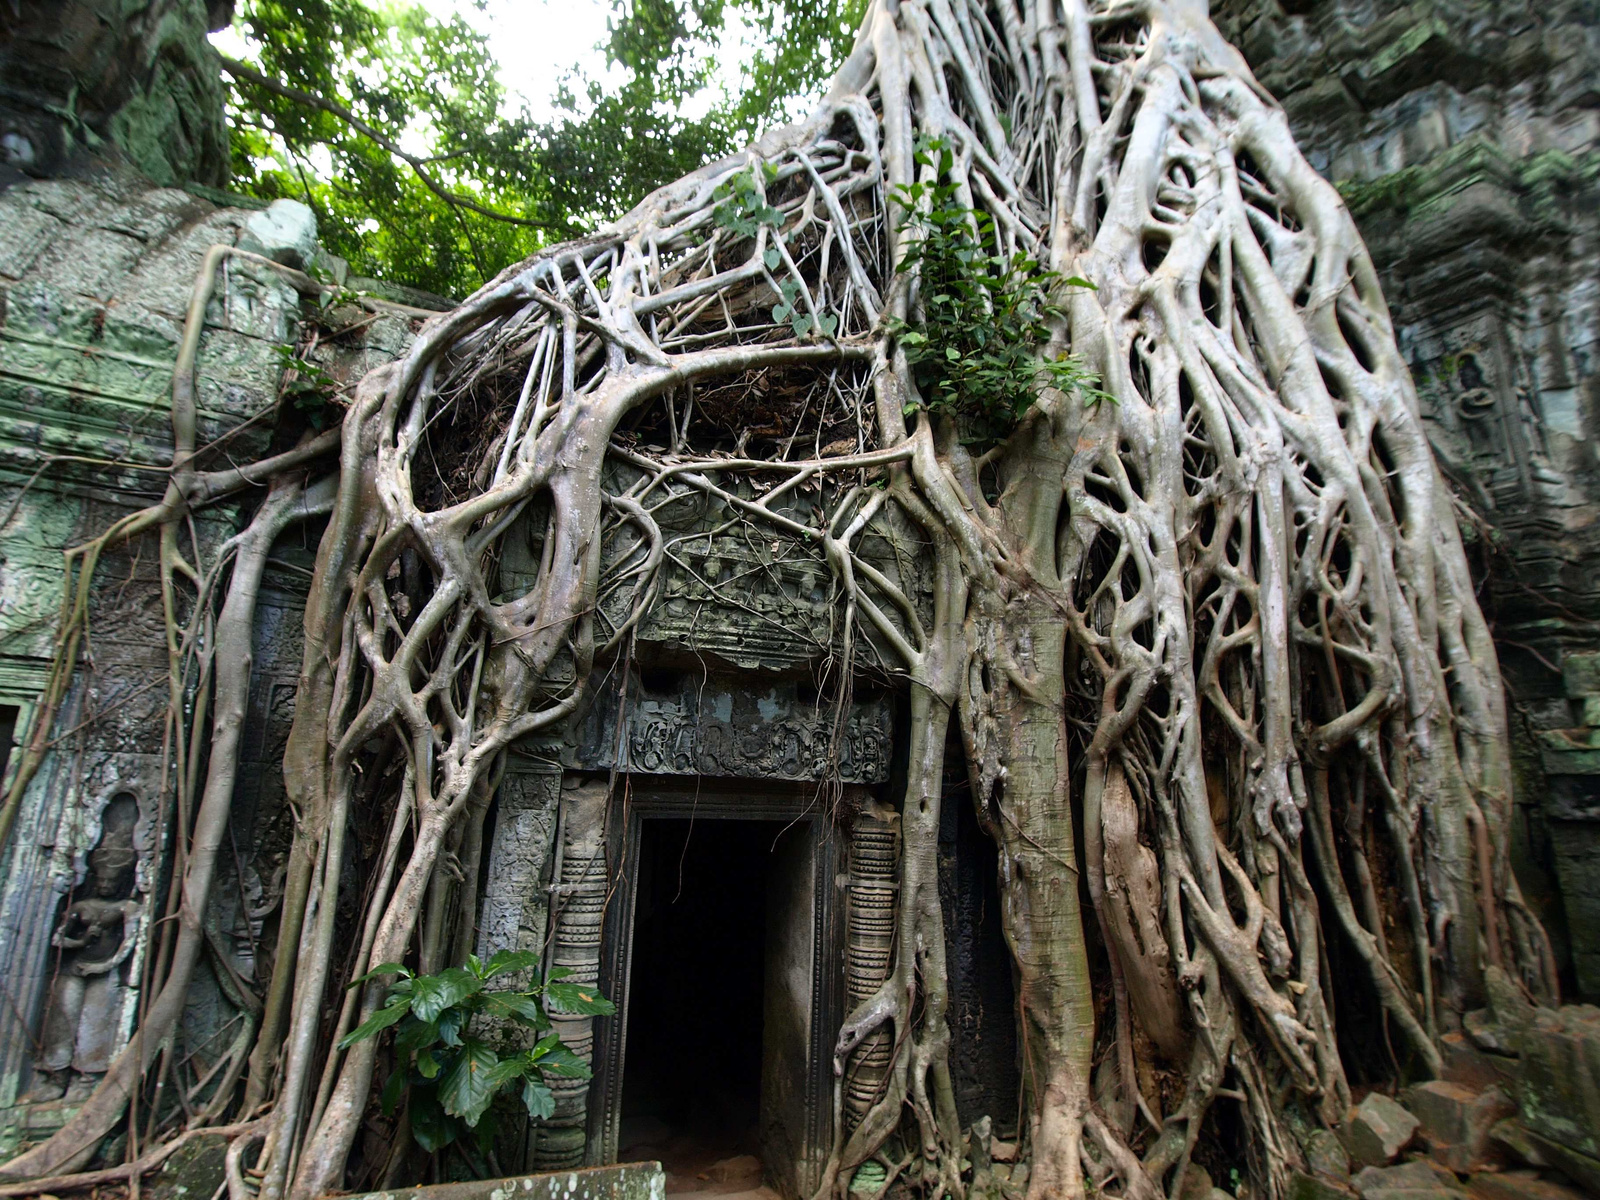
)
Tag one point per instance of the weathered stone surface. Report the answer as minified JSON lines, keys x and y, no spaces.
{"x":1456,"y":1120}
{"x":1312,"y":1187}
{"x":1417,"y":1180}
{"x":1558,"y":1085}
{"x":285,"y":231}
{"x":109,"y":80}
{"x":1517,"y":1185}
{"x":1515,"y":1144}
{"x":1466,"y":1064}
{"x":1582,"y":1169}
{"x":1326,"y":1156}
{"x":95,"y":280}
{"x":1377,"y":1129}
{"x":626,"y":1181}
{"x":194,"y":1172}
{"x":1484,"y":1034}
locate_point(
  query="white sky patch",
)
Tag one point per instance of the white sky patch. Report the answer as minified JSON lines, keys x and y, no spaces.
{"x":536,"y":42}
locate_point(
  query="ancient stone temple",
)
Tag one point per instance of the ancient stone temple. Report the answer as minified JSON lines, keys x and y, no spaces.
{"x":730,"y":900}
{"x":713,"y":839}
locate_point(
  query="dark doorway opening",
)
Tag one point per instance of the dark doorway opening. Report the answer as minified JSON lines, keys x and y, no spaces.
{"x":692,"y":1073}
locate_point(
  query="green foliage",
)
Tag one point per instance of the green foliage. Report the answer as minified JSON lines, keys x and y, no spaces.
{"x":982,"y":313}
{"x":414,"y":79}
{"x":424,"y":82}
{"x":610,"y":149}
{"x":742,"y":206}
{"x":309,"y":389}
{"x":452,"y":1073}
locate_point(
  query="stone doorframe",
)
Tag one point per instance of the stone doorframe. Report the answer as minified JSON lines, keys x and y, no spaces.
{"x":719,"y":799}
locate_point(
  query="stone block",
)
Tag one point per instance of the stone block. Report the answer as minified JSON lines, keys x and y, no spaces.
{"x":1583,"y":1169}
{"x":1311,"y":1187}
{"x":1485,"y":1034}
{"x":1517,"y":1185}
{"x":1457,"y":1120}
{"x":1471,"y":1067}
{"x":1558,"y":1084}
{"x":195,"y":1172}
{"x":1416,"y":1180}
{"x":1326,"y":1157}
{"x":286,"y":232}
{"x":25,"y":232}
{"x":625,"y":1181}
{"x":1580,"y":674}
{"x":1377,"y":1130}
{"x":1514,"y":1143}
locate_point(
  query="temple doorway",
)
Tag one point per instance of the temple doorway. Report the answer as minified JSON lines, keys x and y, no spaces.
{"x":691,"y":1083}
{"x":711,"y":1064}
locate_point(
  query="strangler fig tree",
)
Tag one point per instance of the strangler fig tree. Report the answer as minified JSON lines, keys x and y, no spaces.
{"x":1198,"y":611}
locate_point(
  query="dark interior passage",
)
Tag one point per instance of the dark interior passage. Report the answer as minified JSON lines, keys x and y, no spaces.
{"x":692,"y":1073}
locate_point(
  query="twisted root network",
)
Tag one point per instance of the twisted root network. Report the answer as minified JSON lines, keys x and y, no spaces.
{"x":1222,"y":624}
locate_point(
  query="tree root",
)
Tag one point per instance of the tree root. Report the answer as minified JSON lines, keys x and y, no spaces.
{"x":1234,"y":573}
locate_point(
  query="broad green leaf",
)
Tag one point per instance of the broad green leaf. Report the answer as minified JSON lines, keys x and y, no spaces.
{"x":450,"y":1024}
{"x":772,"y":258}
{"x":414,"y":1035}
{"x":427,"y":1064}
{"x":538,"y":1098}
{"x":578,"y":999}
{"x":375,"y":1024}
{"x":466,"y":1089}
{"x":433,"y":1128}
{"x":507,"y":1069}
{"x":553,"y":1056}
{"x":432,"y":994}
{"x":517,"y":1005}
{"x":388,"y":968}
{"x":510,"y":960}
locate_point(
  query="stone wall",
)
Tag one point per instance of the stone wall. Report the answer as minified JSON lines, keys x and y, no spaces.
{"x":1465,"y":136}
{"x":134,"y":80}
{"x":95,"y":280}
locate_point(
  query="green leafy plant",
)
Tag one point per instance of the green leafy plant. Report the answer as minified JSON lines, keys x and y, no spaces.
{"x":742,"y":207}
{"x":452,"y":1064}
{"x":982,"y":313}
{"x":309,"y":388}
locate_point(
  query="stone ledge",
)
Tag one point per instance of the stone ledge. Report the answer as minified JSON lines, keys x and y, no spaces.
{"x":623,"y":1181}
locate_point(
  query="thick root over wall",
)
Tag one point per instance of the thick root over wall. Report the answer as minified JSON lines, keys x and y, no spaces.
{"x":1218,"y":627}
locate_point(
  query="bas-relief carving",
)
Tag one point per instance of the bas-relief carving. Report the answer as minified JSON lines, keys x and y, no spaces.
{"x":737,"y":729}
{"x":515,"y":905}
{"x":97,"y":936}
{"x":745,"y":599}
{"x":75,"y":920}
{"x":95,"y":279}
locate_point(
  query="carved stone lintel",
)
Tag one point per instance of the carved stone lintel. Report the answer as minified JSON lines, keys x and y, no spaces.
{"x":704,"y":728}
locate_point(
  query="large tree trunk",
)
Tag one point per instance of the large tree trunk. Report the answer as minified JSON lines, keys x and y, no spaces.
{"x":1226,"y":580}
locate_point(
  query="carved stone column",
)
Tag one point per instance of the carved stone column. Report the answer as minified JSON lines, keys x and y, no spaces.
{"x":577,"y":909}
{"x":869,"y":947}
